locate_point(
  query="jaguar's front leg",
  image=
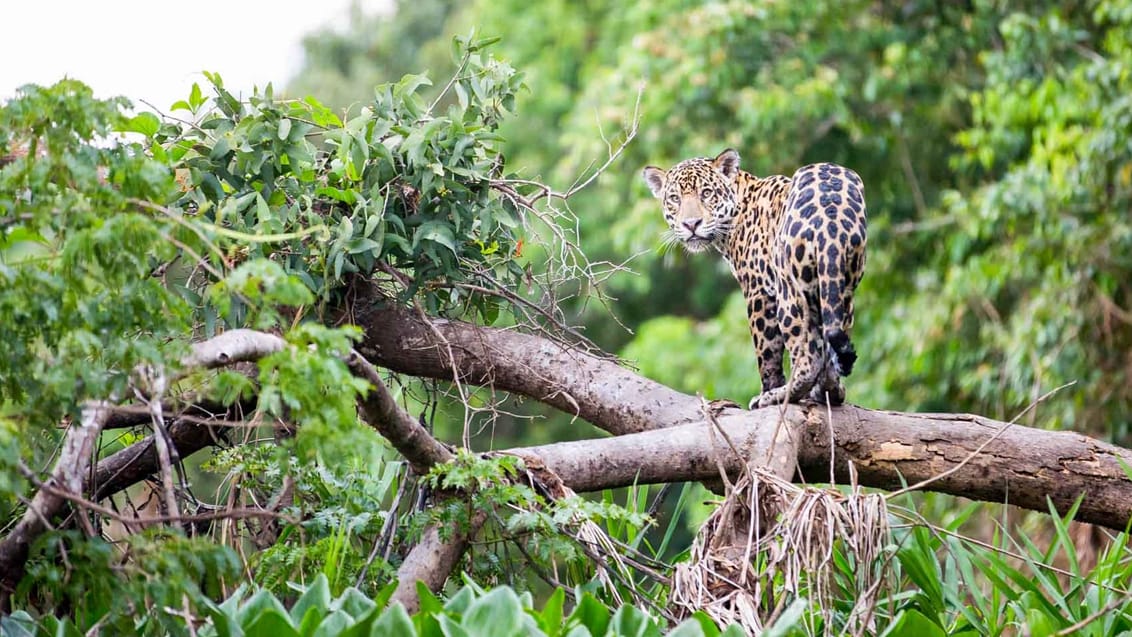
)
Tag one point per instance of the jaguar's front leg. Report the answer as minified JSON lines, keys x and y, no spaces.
{"x":770,"y":343}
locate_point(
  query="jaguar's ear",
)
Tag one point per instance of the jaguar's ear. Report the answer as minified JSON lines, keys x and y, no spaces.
{"x":728,"y":164}
{"x":654,"y":177}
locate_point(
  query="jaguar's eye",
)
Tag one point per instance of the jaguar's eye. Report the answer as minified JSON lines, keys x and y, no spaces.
{"x":705,"y":194}
{"x":674,"y":199}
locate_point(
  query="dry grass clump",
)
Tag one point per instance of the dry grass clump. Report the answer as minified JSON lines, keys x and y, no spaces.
{"x":770,"y":547}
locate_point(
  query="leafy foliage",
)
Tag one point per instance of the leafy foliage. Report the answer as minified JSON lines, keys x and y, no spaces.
{"x":124,"y":237}
{"x":471,"y":611}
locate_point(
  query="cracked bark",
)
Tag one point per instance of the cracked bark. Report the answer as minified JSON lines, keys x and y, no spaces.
{"x":1023,"y":466}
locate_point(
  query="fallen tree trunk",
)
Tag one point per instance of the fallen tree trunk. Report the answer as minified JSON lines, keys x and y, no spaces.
{"x":1021,"y":466}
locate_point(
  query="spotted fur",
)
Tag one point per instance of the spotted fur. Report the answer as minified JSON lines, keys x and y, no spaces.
{"x":797,"y":247}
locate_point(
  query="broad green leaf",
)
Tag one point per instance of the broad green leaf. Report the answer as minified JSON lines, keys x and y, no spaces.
{"x":332,"y":625}
{"x":451,"y":628}
{"x":145,"y":123}
{"x":272,"y":622}
{"x":18,"y":624}
{"x":550,"y":619}
{"x":495,"y":614}
{"x":257,"y":604}
{"x":394,"y":622}
{"x":436,"y":232}
{"x":458,"y":604}
{"x":316,"y":597}
{"x":630,"y":621}
{"x":591,"y":614}
{"x":913,"y":623}
{"x":356,"y":603}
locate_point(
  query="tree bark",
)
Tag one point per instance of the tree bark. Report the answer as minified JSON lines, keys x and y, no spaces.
{"x":591,"y":387}
{"x":1021,"y":466}
{"x":70,"y":468}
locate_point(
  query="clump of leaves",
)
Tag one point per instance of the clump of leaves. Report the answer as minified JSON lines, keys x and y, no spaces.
{"x":471,"y":611}
{"x":141,"y":584}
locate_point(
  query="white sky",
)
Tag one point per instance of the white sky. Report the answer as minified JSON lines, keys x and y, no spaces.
{"x":154,"y":50}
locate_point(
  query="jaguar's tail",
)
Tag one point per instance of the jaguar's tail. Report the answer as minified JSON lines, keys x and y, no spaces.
{"x":841,"y":350}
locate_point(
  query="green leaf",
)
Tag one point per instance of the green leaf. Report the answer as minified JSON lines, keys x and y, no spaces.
{"x":790,"y":619}
{"x":272,"y":622}
{"x":332,"y":625}
{"x":496,"y":614}
{"x":409,"y":85}
{"x":394,"y":622}
{"x":260,"y":602}
{"x":458,"y":604}
{"x":145,"y":123}
{"x":913,"y":623}
{"x":550,"y":619}
{"x":356,"y":603}
{"x":436,"y":232}
{"x":220,"y":149}
{"x":630,"y":621}
{"x":345,"y":196}
{"x":450,"y":628}
{"x":316,"y":597}
{"x":591,"y":614}
{"x":284,"y":129}
{"x":196,"y":97}
{"x":18,"y":624}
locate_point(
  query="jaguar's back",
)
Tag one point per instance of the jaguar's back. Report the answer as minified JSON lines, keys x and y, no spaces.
{"x":797,"y":247}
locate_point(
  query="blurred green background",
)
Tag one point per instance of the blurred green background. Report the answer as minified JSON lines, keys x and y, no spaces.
{"x":994,"y":139}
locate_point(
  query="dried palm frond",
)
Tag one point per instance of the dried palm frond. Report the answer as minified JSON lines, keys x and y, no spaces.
{"x":772,"y":542}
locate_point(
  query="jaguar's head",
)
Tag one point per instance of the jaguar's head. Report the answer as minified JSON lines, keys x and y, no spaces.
{"x":697,"y":197}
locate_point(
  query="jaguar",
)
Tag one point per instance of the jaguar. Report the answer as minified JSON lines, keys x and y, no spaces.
{"x":796,"y":245}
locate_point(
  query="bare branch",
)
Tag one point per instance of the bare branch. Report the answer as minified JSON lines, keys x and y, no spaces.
{"x":397,"y":426}
{"x":233,"y":346}
{"x":67,"y":476}
{"x":432,"y":560}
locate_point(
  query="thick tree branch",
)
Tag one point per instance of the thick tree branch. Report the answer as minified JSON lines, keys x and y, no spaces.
{"x":685,"y":453}
{"x":665,"y":436}
{"x":139,"y":461}
{"x":230,"y":347}
{"x":595,"y":389}
{"x":399,"y":427}
{"x":434,"y":557}
{"x":1022,"y":466}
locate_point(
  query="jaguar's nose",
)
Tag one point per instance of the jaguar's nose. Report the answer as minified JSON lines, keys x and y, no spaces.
{"x":692,"y":224}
